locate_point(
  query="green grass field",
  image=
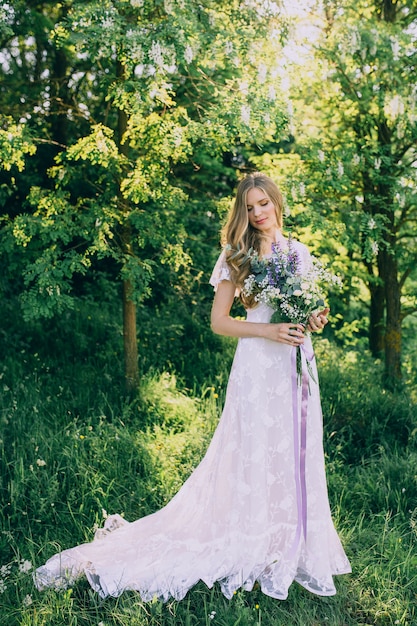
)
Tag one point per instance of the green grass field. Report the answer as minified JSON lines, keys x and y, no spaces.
{"x":72,"y":449}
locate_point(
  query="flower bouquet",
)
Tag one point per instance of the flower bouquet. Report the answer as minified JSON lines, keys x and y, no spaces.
{"x":294,"y":294}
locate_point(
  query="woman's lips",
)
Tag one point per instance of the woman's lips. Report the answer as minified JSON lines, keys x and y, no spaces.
{"x":261,"y":221}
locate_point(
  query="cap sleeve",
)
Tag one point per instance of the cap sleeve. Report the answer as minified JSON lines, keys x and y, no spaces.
{"x":221,"y":272}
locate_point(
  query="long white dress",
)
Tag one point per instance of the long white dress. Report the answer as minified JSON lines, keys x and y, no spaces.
{"x":255,"y":509}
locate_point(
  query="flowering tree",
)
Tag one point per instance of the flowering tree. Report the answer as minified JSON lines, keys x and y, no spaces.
{"x":127,"y":91}
{"x":357,"y":141}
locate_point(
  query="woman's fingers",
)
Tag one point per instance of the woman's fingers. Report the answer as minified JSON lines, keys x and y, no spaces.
{"x":294,"y":334}
{"x":317,"y":321}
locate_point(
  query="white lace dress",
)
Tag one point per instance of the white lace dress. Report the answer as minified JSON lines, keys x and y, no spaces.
{"x":255,"y":509}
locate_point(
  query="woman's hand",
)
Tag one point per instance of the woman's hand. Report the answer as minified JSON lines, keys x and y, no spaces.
{"x":290,"y":334}
{"x":317,"y":321}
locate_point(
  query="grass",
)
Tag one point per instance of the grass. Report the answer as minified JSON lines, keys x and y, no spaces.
{"x":73,"y":449}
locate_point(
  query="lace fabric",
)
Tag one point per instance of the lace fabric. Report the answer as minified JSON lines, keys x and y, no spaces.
{"x":237,"y":518}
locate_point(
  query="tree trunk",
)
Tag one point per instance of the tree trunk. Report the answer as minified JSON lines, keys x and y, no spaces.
{"x":130,"y":342}
{"x":389,"y":274}
{"x":376,"y":320}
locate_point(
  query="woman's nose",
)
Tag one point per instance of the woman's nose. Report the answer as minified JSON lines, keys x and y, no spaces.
{"x":257,"y":209}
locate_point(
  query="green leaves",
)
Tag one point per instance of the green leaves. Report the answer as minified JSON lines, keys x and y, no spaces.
{"x":16,"y":143}
{"x":132,"y":100}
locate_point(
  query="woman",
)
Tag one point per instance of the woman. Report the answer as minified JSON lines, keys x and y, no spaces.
{"x":256,"y":507}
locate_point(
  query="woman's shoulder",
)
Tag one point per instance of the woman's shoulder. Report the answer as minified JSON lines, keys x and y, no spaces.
{"x":221,"y":271}
{"x":300,"y":247}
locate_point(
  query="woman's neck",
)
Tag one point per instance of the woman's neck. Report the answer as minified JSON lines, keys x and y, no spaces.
{"x":275,"y":236}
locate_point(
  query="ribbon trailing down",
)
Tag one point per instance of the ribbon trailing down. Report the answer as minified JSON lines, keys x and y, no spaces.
{"x":300,"y":440}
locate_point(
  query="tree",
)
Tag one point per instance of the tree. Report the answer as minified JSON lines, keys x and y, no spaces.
{"x":140,"y":87}
{"x":357,"y":142}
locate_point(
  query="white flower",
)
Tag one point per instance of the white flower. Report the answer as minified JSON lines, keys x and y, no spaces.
{"x":245,"y":114}
{"x":5,"y":570}
{"x":321,"y":156}
{"x":377,"y":163}
{"x":340,"y":169}
{"x":228,"y":48}
{"x":395,"y":106}
{"x":188,"y":54}
{"x":262,"y":72}
{"x":156,"y":53}
{"x":168,"y":8}
{"x":27,"y":600}
{"x":136,"y":3}
{"x":374,"y":247}
{"x":108,"y":23}
{"x":272,"y":93}
{"x":25,"y":566}
{"x":40,"y":462}
{"x":395,"y":45}
{"x":372,"y":224}
{"x":298,"y":292}
{"x":244,"y":87}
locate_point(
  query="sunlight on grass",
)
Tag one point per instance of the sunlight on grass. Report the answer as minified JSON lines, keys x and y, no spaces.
{"x":69,"y":457}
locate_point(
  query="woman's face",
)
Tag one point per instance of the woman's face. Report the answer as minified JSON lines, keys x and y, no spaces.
{"x":261,"y":211}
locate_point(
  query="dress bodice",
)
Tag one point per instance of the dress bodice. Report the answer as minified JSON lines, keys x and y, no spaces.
{"x":261,"y":313}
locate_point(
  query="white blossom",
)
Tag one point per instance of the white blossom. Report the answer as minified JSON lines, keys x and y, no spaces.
{"x":302,"y":189}
{"x":356,"y":159}
{"x":372,"y":224}
{"x":262,"y":73}
{"x":156,"y":54}
{"x":272,"y":93}
{"x":40,"y":462}
{"x":374,"y":247}
{"x":228,"y":48}
{"x":395,"y":106}
{"x":321,"y":156}
{"x":377,"y":163}
{"x":340,"y":169}
{"x":395,"y":45}
{"x":27,"y":600}
{"x":5,"y":570}
{"x":400,"y":199}
{"x":188,"y":54}
{"x":244,"y":87}
{"x":245,"y":114}
{"x":355,"y":41}
{"x":136,"y":3}
{"x":25,"y":566}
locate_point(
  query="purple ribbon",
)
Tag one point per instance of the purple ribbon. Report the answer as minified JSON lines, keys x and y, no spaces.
{"x":300,"y":442}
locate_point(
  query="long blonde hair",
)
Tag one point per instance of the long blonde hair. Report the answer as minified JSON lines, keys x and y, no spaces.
{"x":239,"y":236}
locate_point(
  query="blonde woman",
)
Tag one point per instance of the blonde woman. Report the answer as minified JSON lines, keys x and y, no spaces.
{"x":256,"y":509}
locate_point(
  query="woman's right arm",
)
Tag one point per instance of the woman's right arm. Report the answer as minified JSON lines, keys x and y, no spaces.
{"x":223,"y":324}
